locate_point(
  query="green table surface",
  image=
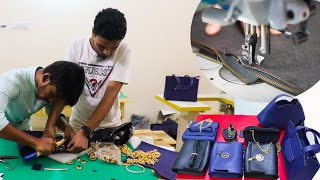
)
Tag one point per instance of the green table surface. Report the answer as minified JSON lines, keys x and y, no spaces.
{"x":91,"y":170}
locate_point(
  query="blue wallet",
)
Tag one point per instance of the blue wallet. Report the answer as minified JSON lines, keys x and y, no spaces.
{"x":226,"y":160}
{"x":203,"y":130}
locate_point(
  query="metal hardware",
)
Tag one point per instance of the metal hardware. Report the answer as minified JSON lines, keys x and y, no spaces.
{"x":223,"y":155}
{"x":258,"y":157}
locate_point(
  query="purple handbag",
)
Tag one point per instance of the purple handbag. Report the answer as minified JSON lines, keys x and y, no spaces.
{"x":181,"y":88}
{"x":299,"y":156}
{"x":226,"y":160}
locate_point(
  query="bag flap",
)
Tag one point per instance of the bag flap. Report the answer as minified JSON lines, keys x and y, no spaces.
{"x":269,"y":165}
{"x":261,"y":135}
{"x":227,"y":157}
{"x":183,"y":157}
{"x":201,"y":153}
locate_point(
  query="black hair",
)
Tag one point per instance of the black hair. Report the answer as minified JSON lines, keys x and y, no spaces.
{"x":110,"y":24}
{"x":68,"y":78}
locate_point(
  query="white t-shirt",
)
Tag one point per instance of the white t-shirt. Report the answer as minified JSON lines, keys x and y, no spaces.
{"x":98,"y":74}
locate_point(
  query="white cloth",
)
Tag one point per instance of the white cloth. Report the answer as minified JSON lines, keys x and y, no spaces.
{"x":98,"y":76}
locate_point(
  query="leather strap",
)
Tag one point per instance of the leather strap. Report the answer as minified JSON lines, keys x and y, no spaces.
{"x":194,"y":153}
{"x":315,"y":147}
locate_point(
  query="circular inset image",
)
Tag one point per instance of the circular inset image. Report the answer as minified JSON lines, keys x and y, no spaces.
{"x":254,"y":50}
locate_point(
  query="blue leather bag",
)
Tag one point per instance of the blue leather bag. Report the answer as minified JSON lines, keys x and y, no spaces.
{"x":282,"y":109}
{"x":181,"y":88}
{"x":299,"y":156}
{"x":226,"y":160}
{"x":202,"y":130}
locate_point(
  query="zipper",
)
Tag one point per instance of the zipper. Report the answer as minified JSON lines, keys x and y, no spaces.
{"x":286,"y":87}
{"x":219,"y":58}
{"x":289,"y":87}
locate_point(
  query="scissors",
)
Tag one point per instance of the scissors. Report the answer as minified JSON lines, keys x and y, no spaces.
{"x":9,"y":167}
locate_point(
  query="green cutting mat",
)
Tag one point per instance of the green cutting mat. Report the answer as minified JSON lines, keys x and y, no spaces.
{"x":91,"y":170}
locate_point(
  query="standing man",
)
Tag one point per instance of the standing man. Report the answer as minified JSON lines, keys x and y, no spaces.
{"x":107,"y":63}
{"x":23,"y":92}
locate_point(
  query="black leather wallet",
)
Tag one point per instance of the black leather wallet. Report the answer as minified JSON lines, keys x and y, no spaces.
{"x":193,"y":158}
{"x":259,"y":164}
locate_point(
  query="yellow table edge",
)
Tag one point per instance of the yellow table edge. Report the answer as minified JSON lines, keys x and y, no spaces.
{"x":220,"y":99}
{"x":186,"y":109}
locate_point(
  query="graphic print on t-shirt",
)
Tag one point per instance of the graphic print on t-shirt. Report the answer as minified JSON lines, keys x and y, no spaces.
{"x":96,"y":75}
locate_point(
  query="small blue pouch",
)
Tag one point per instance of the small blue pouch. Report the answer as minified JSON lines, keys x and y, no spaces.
{"x":203,"y":130}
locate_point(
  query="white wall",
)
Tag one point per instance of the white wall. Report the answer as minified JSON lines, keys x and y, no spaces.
{"x":158,"y":32}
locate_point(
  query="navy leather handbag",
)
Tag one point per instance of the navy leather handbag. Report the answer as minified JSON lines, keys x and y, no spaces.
{"x":193,"y":158}
{"x":299,"y":156}
{"x":181,"y":88}
{"x":226,"y":160}
{"x":280,"y":111}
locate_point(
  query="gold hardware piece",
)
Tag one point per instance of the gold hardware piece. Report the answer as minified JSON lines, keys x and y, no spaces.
{"x":278,"y":147}
{"x":258,"y":157}
{"x":83,"y":161}
{"x":140,"y":157}
{"x":266,"y":151}
{"x":200,"y":124}
{"x":79,"y":167}
{"x":70,"y":162}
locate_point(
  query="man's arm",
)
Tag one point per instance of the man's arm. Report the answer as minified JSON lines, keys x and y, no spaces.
{"x":105,"y":104}
{"x":57,"y":106}
{"x":64,"y":125}
{"x":80,"y":141}
{"x":7,"y":131}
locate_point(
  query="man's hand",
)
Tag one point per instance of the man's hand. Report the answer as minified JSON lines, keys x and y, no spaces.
{"x":45,"y":145}
{"x":69,"y":134}
{"x":78,"y":143}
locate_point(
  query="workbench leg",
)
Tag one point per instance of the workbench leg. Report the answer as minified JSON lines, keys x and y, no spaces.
{"x":183,"y":121}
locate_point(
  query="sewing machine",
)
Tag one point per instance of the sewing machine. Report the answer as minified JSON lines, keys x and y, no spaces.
{"x":275,"y":14}
{"x":290,"y":17}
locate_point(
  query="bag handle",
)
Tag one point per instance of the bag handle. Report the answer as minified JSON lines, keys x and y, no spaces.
{"x":315,"y":147}
{"x":284,"y":97}
{"x":183,"y":87}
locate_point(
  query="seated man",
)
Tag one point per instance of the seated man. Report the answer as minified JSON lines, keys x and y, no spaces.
{"x":106,"y":60}
{"x":25,"y":91}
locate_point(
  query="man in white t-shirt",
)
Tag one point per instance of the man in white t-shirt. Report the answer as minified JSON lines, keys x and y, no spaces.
{"x":106,"y":62}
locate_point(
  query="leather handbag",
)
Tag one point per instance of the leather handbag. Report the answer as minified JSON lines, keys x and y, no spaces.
{"x":181,"y":88}
{"x":193,"y":158}
{"x":282,"y":109}
{"x":260,"y":135}
{"x":226,"y":160}
{"x":203,"y":130}
{"x":299,"y":156}
{"x":117,"y":135}
{"x":261,"y":161}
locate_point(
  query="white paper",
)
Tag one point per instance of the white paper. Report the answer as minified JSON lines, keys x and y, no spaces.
{"x":65,"y":157}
